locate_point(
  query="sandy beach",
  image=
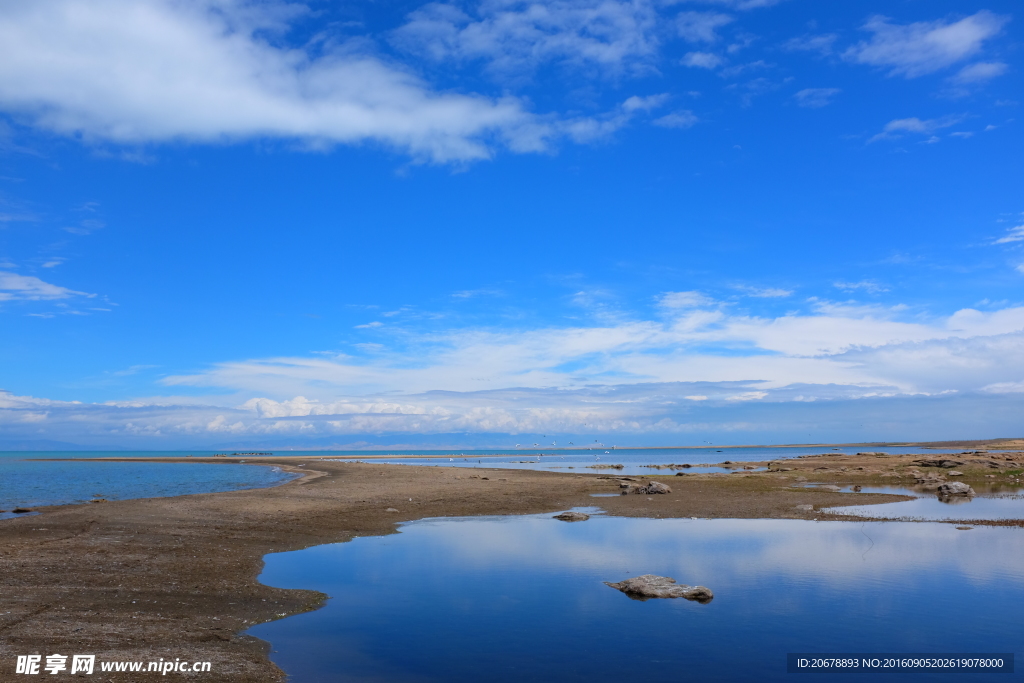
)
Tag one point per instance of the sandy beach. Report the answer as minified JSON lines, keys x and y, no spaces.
{"x":176,"y":577}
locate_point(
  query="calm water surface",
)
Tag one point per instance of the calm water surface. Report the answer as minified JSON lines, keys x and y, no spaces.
{"x":993,"y":502}
{"x":31,"y":483}
{"x":522,"y":599}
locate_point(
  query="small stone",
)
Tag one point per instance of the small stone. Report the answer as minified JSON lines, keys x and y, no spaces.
{"x":572,"y":517}
{"x":391,"y":510}
{"x":652,"y":586}
{"x":964,"y":528}
{"x":21,"y":511}
{"x":954,"y":473}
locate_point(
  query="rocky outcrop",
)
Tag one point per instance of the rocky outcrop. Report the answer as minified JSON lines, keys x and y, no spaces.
{"x":652,"y":586}
{"x":572,"y":516}
{"x":947,"y":464}
{"x":955,"y":488}
{"x":645,"y":488}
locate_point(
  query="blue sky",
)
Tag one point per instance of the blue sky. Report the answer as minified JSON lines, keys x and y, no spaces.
{"x":463,"y":224}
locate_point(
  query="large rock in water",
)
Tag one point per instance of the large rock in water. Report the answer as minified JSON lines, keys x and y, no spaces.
{"x":955,"y":488}
{"x":572,"y":516}
{"x":652,"y":586}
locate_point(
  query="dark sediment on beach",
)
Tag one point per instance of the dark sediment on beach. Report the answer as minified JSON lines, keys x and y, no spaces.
{"x":142,"y":580}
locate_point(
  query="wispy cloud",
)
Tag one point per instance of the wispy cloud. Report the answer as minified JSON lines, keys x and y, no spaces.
{"x":816,"y":97}
{"x":767,"y":292}
{"x":864,"y":285}
{"x":924,"y":47}
{"x":516,"y":37}
{"x":821,"y":43}
{"x":979,"y":72}
{"x":14,"y":287}
{"x":684,"y":118}
{"x":702,"y":60}
{"x":701,"y":27}
{"x":1015,"y":234}
{"x":897,"y":127}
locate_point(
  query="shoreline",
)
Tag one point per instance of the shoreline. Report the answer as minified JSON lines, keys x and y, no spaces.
{"x":1002,"y":444}
{"x":173,"y":577}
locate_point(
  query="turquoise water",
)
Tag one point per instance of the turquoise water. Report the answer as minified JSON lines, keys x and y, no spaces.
{"x":511,"y":599}
{"x":32,"y":483}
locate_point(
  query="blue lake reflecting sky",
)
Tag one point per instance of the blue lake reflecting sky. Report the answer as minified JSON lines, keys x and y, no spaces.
{"x":31,"y":483}
{"x":522,"y":598}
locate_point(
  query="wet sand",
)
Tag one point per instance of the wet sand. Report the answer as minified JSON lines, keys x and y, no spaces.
{"x":176,"y":577}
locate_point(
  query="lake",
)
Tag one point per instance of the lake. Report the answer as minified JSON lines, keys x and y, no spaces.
{"x":33,"y":483}
{"x":522,"y":599}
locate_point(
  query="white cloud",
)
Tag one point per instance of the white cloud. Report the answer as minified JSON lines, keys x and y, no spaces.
{"x":631,"y":377}
{"x":734,"y":4}
{"x":370,"y":326}
{"x":14,"y":287}
{"x":683,"y":118}
{"x":896,"y":127}
{"x":648,"y":103}
{"x":865,"y":285}
{"x":674,"y":300}
{"x":701,"y":27}
{"x":516,"y":36}
{"x":767,"y":292}
{"x":924,"y":47}
{"x":702,"y":60}
{"x":816,"y":97}
{"x":978,"y":72}
{"x":131,"y":72}
{"x":812,"y":43}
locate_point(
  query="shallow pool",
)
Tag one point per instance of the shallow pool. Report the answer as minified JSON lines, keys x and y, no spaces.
{"x":523,"y":599}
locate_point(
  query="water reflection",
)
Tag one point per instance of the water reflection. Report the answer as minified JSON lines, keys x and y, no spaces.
{"x":523,"y":599}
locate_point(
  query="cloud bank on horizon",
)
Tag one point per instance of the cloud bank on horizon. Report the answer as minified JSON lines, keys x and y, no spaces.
{"x":658,"y":222}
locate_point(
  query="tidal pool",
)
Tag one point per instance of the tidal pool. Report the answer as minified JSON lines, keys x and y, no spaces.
{"x":523,"y":599}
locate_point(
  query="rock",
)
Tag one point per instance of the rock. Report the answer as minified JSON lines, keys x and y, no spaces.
{"x":955,"y":488}
{"x":806,"y":507}
{"x":964,"y":528}
{"x":21,"y":511}
{"x":645,"y":489}
{"x":606,"y":467}
{"x":572,"y":517}
{"x":857,"y":488}
{"x":947,"y":464}
{"x":391,"y":510}
{"x":680,"y":474}
{"x":651,"y":586}
{"x":954,"y":473}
